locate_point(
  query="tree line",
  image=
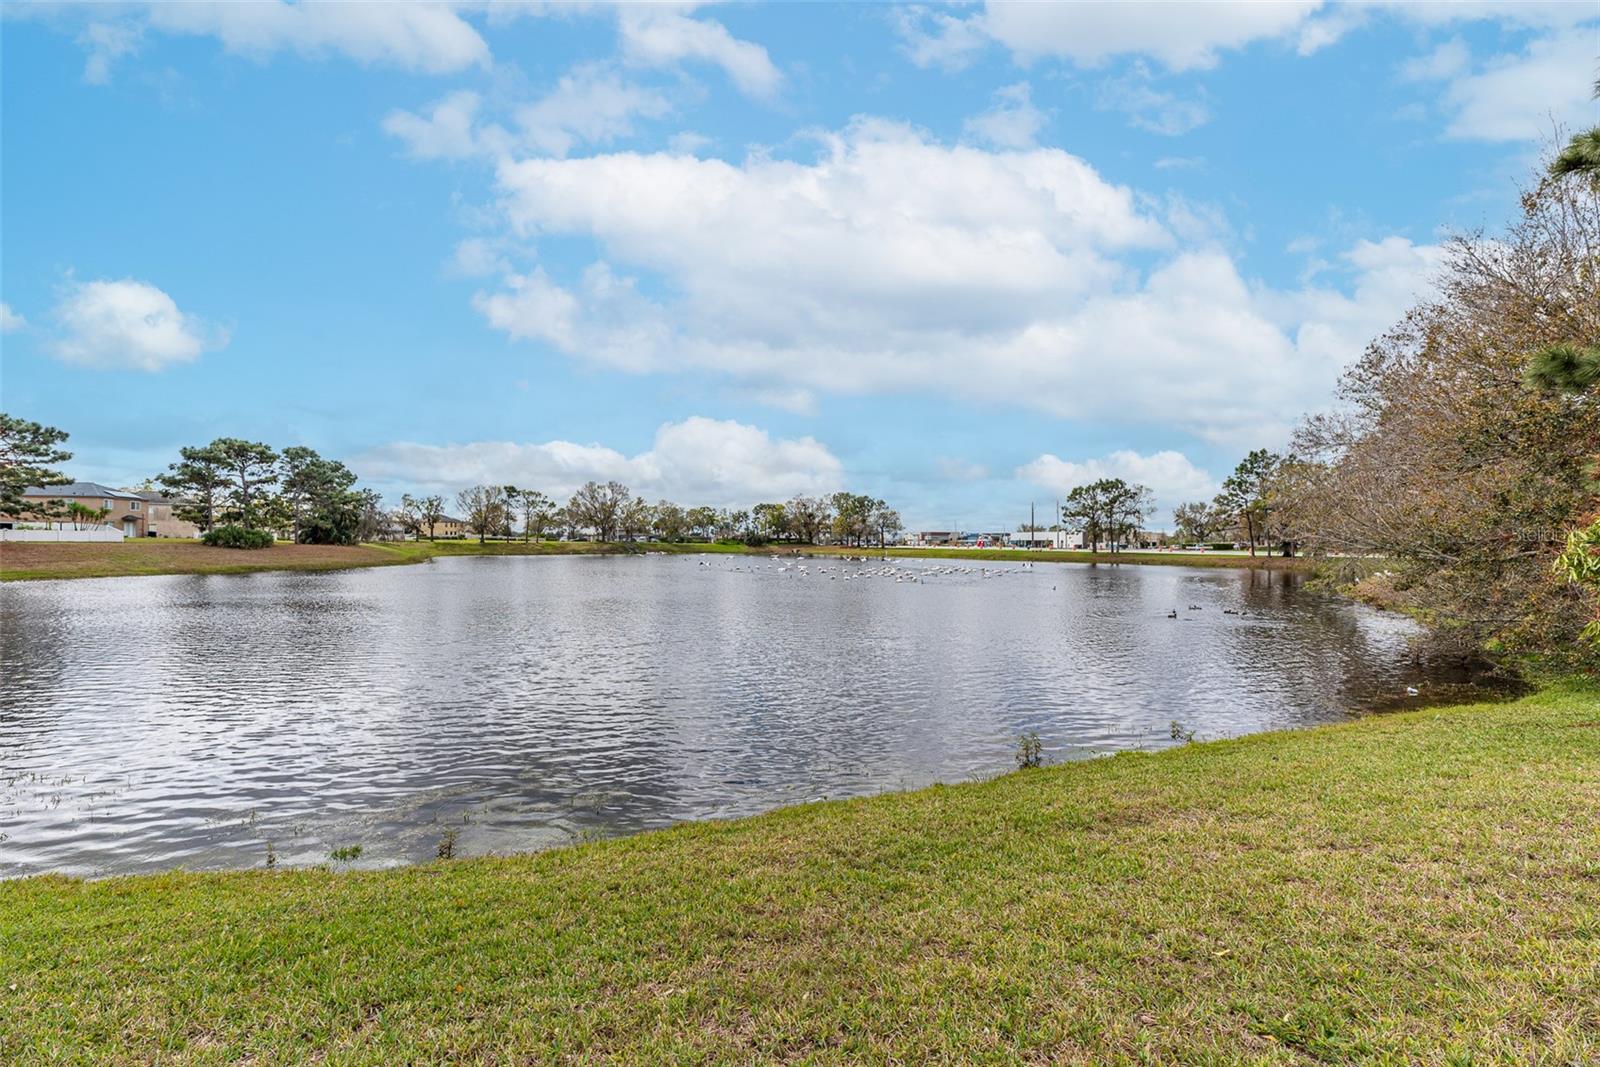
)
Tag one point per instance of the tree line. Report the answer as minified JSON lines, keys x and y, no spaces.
{"x":248,"y":484}
{"x":1464,"y":447}
{"x":611,"y":512}
{"x":1458,"y":475}
{"x":1107,"y":510}
{"x":232,"y":482}
{"x":1466,"y":441}
{"x":1463,"y":450}
{"x":1257,"y":505}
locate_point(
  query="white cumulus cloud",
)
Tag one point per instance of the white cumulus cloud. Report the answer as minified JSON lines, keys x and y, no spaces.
{"x":1516,"y":97}
{"x":1446,"y":60}
{"x":530,"y":307}
{"x":428,"y":37}
{"x":1151,"y":109}
{"x":424,"y":36}
{"x":106,"y":42}
{"x":658,"y":35}
{"x":447,"y":130}
{"x":894,"y":263}
{"x":696,"y":461}
{"x":9,"y":319}
{"x":884,"y":228}
{"x":1180,"y":35}
{"x":1169,"y":474}
{"x":588,"y":105}
{"x":1013,"y":121}
{"x":128,"y":324}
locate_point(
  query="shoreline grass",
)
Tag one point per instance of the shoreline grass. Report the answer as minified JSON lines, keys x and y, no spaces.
{"x":25,"y":561}
{"x":1050,"y":555}
{"x":1421,"y":887}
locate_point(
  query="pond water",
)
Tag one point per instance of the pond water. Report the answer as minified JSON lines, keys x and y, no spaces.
{"x":525,"y":702}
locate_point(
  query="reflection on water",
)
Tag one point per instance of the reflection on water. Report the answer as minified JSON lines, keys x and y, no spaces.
{"x":149,"y":723}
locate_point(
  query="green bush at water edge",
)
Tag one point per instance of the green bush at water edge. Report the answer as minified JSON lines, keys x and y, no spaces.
{"x":236,"y":537}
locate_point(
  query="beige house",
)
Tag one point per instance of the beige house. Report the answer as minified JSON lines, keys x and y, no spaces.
{"x":162,"y":522}
{"x":128,"y":512}
{"x":135,"y":513}
{"x":448,"y":526}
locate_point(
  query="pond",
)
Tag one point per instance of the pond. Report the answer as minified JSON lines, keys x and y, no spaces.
{"x":516,"y":703}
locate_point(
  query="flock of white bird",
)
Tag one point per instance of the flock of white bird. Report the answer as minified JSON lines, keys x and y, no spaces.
{"x":798,"y":567}
{"x":834,"y":571}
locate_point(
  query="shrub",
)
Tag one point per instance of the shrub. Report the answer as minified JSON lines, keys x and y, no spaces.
{"x":1030,"y":751}
{"x":236,"y":537}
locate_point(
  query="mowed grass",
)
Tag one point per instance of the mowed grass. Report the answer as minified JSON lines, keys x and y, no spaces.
{"x":31,"y":560}
{"x":1416,"y":888}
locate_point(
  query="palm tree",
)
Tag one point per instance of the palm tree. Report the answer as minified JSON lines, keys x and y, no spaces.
{"x":1565,"y":367}
{"x":1582,"y":154}
{"x":83,"y":514}
{"x":1572,"y":368}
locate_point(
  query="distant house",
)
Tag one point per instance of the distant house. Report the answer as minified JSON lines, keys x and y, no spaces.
{"x":449,"y":526}
{"x":125,"y":511}
{"x":162,"y":522}
{"x":390,"y":528}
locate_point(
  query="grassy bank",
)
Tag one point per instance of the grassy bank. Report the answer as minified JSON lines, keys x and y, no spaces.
{"x":26,"y":560}
{"x":1041,"y":555}
{"x":1418,"y":888}
{"x":23,"y":560}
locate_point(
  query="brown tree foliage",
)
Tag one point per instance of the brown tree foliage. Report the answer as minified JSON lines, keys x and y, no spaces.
{"x":1441,"y":458}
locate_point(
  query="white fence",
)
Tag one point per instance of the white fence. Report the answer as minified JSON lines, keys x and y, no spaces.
{"x":62,"y":531}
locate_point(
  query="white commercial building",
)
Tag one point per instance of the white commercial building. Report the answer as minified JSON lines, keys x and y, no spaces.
{"x":1047,"y":539}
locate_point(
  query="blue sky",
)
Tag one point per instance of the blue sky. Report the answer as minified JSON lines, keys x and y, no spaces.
{"x":960,"y":257}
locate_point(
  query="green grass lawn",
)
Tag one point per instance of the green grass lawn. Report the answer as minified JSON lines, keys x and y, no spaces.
{"x":424,"y":549}
{"x":1415,"y":888}
{"x":21,"y":561}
